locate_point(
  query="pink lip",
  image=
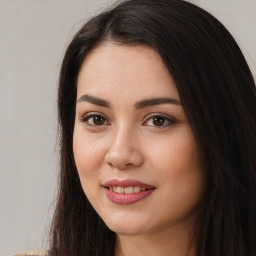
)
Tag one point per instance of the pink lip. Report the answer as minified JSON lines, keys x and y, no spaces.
{"x":127,"y":198}
{"x":127,"y":183}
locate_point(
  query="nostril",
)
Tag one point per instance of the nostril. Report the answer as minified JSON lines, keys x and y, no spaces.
{"x":124,"y":159}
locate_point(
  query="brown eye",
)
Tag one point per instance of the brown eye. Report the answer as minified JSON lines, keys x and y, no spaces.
{"x":95,"y":120}
{"x":98,"y":120}
{"x":158,"y":121}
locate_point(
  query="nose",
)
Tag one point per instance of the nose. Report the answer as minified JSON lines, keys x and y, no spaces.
{"x":124,"y":150}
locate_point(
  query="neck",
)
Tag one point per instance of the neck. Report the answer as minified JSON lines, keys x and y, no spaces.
{"x":174,"y":242}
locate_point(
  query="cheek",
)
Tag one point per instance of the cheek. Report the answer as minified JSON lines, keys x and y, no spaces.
{"x":178,"y":169}
{"x":177,"y":154}
{"x":86,"y":155}
{"x":89,"y":154}
{"x":88,"y":149}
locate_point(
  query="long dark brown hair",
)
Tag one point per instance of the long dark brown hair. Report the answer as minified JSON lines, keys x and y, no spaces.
{"x":217,"y":91}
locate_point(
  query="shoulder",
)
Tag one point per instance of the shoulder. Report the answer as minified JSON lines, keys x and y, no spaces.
{"x":32,"y":253}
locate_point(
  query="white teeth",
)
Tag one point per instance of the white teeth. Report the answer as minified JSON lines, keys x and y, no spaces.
{"x":126,"y":190}
{"x":136,"y":189}
{"x":120,"y":190}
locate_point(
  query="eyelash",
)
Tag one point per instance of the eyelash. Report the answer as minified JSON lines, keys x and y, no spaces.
{"x":171,"y":121}
{"x":168,"y":120}
{"x":86,"y":118}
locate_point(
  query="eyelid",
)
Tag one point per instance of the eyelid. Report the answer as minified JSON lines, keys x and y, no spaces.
{"x":169,"y":118}
{"x":92,"y":114}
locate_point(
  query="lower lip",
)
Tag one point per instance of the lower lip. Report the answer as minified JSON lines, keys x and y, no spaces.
{"x":127,"y":198}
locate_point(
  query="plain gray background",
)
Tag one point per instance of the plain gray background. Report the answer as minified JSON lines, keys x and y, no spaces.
{"x":33,"y":37}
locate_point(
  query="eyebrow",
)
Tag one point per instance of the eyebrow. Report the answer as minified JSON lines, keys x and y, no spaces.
{"x":138,"y":105}
{"x":94,"y":100}
{"x":156,"y":101}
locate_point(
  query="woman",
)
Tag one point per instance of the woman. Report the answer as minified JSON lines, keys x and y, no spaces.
{"x":158,"y":135}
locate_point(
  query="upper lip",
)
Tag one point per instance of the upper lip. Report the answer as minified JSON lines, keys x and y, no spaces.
{"x":127,"y":183}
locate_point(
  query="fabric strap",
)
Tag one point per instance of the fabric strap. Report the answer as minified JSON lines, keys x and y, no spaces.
{"x":32,"y":253}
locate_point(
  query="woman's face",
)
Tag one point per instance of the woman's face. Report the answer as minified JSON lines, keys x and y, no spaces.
{"x":135,"y":153}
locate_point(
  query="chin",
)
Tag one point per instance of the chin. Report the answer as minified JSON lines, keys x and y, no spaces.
{"x":126,"y":227}
{"x":126,"y":230}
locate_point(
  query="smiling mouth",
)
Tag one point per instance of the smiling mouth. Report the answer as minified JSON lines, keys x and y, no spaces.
{"x":127,"y":195}
{"x":126,"y":190}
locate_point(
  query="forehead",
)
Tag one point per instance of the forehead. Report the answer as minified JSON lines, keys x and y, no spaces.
{"x":112,"y":69}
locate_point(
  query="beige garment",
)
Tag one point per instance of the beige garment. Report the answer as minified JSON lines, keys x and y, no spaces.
{"x":32,"y":253}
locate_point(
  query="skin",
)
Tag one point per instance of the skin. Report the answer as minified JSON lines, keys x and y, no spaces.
{"x":128,"y":144}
